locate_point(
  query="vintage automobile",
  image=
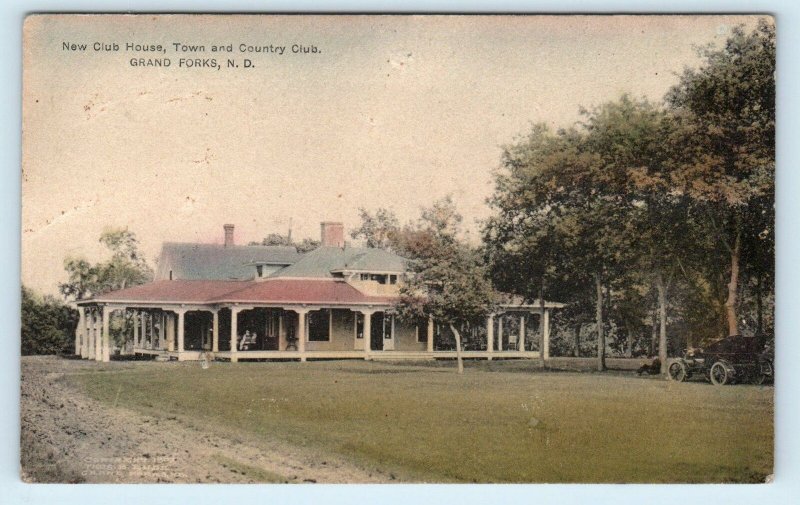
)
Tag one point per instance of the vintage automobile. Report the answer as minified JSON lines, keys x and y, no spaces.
{"x":731,"y":359}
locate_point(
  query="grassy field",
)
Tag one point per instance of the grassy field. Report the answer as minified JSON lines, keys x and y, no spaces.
{"x":499,"y":422}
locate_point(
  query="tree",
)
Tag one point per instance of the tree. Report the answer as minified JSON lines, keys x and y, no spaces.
{"x":447,"y":281}
{"x":48,"y":326}
{"x":730,"y":103}
{"x":276,"y":239}
{"x":126,"y":267}
{"x":551,"y":219}
{"x":378,"y":230}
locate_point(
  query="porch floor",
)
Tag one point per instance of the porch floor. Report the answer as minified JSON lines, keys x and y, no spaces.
{"x":372,"y":355}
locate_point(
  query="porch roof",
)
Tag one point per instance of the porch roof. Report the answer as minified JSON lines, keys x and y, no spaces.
{"x":175,"y":291}
{"x":270,"y":291}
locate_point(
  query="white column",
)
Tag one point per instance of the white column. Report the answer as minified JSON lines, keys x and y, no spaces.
{"x":281,"y":332}
{"x":98,"y":344}
{"x":490,"y":334}
{"x":135,"y":319}
{"x":234,"y":332}
{"x":301,"y":332}
{"x":151,"y":324}
{"x":367,"y":332}
{"x":500,"y":332}
{"x":85,"y":333}
{"x":546,"y":332}
{"x":170,"y":322}
{"x":89,"y":333}
{"x":215,"y":331}
{"x":92,"y":334}
{"x":181,"y":313}
{"x":521,"y":339}
{"x":79,"y":333}
{"x":106,"y":337}
{"x":430,"y":334}
{"x":162,"y":331}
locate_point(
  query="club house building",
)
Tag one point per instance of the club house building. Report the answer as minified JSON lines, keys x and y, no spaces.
{"x":272,"y":302}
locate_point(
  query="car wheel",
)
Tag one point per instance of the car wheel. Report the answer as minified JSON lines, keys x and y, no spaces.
{"x":765,"y":372}
{"x":677,"y":371}
{"x":719,"y":374}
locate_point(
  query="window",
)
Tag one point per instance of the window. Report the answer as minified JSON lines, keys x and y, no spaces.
{"x":319,"y":325}
{"x":260,"y":270}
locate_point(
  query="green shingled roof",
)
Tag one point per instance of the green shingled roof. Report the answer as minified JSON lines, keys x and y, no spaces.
{"x":217,"y":262}
{"x":324,"y":260}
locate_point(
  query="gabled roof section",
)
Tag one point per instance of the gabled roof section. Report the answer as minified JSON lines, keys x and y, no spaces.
{"x":218,"y":262}
{"x":320,"y":262}
{"x":301,"y":291}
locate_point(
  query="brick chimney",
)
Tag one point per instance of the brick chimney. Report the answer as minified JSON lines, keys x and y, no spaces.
{"x":228,"y":235}
{"x":332,"y":234}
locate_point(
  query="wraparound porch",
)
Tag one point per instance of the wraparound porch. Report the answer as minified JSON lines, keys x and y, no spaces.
{"x":292,"y":332}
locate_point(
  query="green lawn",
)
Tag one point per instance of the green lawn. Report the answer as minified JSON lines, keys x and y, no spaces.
{"x":499,"y":422}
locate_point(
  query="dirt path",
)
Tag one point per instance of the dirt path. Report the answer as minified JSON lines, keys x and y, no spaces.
{"x":68,"y":437}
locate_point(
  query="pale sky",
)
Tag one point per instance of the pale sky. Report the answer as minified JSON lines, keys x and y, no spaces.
{"x":392,"y":112}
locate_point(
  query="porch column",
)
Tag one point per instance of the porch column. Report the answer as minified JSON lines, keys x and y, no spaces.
{"x":163,"y":345}
{"x":234,"y":332}
{"x":521,"y":339}
{"x":152,"y":325}
{"x":181,"y":313}
{"x":79,"y":333}
{"x":500,"y":332}
{"x":367,"y":332}
{"x":215,"y":331}
{"x":301,"y":332}
{"x":490,"y":335}
{"x":106,"y":336}
{"x":430,"y":334}
{"x":89,"y":333}
{"x":98,"y":344}
{"x":135,"y":319}
{"x":546,"y":334}
{"x":170,"y":324}
{"x":281,"y":331}
{"x":142,"y":330}
{"x":85,"y":330}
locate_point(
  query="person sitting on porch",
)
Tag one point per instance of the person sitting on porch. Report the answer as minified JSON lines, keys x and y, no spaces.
{"x":244,"y":340}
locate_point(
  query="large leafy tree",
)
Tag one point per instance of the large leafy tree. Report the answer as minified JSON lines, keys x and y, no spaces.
{"x":730,"y":104}
{"x":553,"y":221}
{"x":48,"y":325}
{"x":447,"y":279}
{"x":125,"y":268}
{"x":378,"y":229}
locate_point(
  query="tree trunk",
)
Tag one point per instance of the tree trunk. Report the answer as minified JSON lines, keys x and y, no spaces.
{"x":577,"y":350}
{"x":629,"y":346}
{"x":601,"y":337}
{"x":662,"y":318}
{"x":733,"y":285}
{"x":458,"y":349}
{"x":654,"y":334}
{"x":541,"y":325}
